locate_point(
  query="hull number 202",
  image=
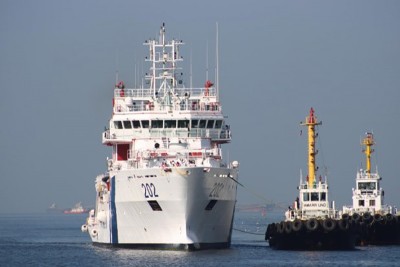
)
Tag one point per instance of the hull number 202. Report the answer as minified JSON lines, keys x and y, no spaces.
{"x":149,"y":190}
{"x":216,"y":190}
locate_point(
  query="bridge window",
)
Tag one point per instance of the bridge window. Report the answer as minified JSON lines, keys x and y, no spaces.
{"x":145,"y":124}
{"x":314,"y":197}
{"x":195,"y":123}
{"x":127,"y":125}
{"x":306,"y":197}
{"x":210,"y":124}
{"x":136,"y":124}
{"x":218,"y":124}
{"x":118,"y":125}
{"x":183,"y":123}
{"x":202,"y":124}
{"x":372,"y":202}
{"x":323,"y":196}
{"x":170,"y":124}
{"x":367,"y":186}
{"x":361,"y":203}
{"x":157,"y":124}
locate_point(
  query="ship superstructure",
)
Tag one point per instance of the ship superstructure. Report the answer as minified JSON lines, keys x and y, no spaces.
{"x":368,"y":196}
{"x":167,"y":184}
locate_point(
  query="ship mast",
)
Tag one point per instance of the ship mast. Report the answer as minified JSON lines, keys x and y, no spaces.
{"x":163,"y":58}
{"x":311,"y":122}
{"x":368,"y":142}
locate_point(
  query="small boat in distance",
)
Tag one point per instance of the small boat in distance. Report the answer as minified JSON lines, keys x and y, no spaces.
{"x":312,"y":224}
{"x":379,"y":222}
{"x":77,"y":209}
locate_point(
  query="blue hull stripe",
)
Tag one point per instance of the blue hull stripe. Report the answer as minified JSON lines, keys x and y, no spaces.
{"x":113,"y":224}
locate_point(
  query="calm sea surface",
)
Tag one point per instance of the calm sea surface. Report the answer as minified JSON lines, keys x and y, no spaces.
{"x":56,"y":240}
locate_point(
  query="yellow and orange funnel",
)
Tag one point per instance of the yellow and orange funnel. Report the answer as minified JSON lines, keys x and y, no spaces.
{"x":311,"y":122}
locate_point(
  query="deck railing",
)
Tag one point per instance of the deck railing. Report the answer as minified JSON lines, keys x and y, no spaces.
{"x":142,"y":100}
{"x":127,"y":135}
{"x":180,"y":92}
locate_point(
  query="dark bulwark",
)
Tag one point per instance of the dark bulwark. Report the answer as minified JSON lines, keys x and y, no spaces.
{"x":313,"y":234}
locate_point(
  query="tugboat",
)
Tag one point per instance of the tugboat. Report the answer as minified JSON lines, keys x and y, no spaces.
{"x":312,"y":224}
{"x":167,"y":185}
{"x":380,"y":224}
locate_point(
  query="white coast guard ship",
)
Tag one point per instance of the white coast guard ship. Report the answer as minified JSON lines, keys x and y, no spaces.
{"x":368,"y":196}
{"x":167,"y":185}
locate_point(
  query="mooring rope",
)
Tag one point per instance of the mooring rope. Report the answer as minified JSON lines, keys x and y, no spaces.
{"x":251,"y":191}
{"x":251,"y":233}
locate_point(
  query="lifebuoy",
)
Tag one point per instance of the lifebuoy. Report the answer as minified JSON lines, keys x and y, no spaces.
{"x":329,"y":224}
{"x":312,"y":224}
{"x":297,"y":225}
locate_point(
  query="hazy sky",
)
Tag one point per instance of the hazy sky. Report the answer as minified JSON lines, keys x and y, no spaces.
{"x":58,"y":61}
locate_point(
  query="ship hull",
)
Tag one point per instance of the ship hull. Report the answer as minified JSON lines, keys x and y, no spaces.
{"x":341,"y":237}
{"x":179,"y":208}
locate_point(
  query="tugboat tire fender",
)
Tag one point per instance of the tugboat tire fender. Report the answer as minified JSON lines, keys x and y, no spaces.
{"x":288,"y":227}
{"x":312,"y":224}
{"x":389,"y":217}
{"x":280,"y":227}
{"x":345,"y":216}
{"x":329,"y":224}
{"x":366,"y":217}
{"x":356,"y":217}
{"x":271,"y":230}
{"x":297,"y":225}
{"x":377,"y":217}
{"x":268,"y":232}
{"x":344,"y":225}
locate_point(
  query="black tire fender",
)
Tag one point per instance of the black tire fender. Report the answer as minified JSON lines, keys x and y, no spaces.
{"x":297,"y":225}
{"x":344,"y":225}
{"x":329,"y":224}
{"x":312,"y":224}
{"x":288,"y":227}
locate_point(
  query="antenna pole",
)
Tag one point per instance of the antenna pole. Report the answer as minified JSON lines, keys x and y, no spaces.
{"x":207,"y":62}
{"x":191,"y":74}
{"x":117,"y":67}
{"x":217,"y":65}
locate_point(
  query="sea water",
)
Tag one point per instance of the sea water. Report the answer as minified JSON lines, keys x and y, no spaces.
{"x":56,"y":240}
